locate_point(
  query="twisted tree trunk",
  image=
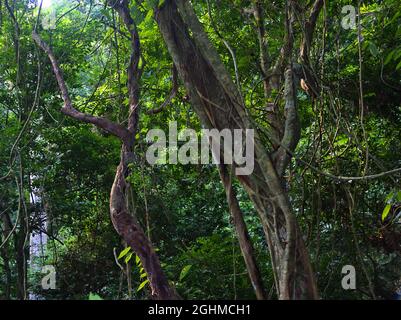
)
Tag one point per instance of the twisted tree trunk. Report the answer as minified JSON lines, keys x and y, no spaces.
{"x":130,"y":230}
{"x":123,"y":221}
{"x":218,"y":104}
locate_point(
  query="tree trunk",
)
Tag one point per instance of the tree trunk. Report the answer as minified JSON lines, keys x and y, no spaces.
{"x":216,"y":100}
{"x":21,"y":262}
{"x":130,"y":230}
{"x":243,"y":235}
{"x":123,"y":221}
{"x":5,"y":254}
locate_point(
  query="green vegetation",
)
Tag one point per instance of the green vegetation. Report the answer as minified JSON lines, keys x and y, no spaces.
{"x":339,"y":182}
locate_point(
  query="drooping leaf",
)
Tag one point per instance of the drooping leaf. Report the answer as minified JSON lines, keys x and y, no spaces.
{"x":386,"y":211}
{"x":124,"y":252}
{"x":389,"y":57}
{"x":128,"y":257}
{"x":142,"y":285}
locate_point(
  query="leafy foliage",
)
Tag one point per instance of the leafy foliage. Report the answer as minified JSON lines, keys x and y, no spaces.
{"x":50,"y":163}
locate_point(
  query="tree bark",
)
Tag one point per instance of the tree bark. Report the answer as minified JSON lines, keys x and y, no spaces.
{"x":5,"y":218}
{"x":130,"y":230}
{"x":123,"y":221}
{"x":243,"y":235}
{"x":216,"y":100}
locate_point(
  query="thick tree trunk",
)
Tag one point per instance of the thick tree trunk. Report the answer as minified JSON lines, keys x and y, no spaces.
{"x":243,"y":236}
{"x":217,"y":102}
{"x":21,"y":263}
{"x":129,"y":229}
{"x":123,"y":221}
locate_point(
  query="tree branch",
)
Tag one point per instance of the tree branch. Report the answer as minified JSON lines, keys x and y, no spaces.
{"x":292,"y":130}
{"x":310,"y":26}
{"x":172,"y":94}
{"x":103,"y":123}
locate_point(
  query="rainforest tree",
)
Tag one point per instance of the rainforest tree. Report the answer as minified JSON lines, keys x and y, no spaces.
{"x":83,"y":82}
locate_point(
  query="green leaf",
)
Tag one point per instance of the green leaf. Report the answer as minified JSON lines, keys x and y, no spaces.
{"x":386,"y":211}
{"x":143,"y":275}
{"x":342,"y":141}
{"x":184,"y":271}
{"x":373,"y":49}
{"x":390,"y":197}
{"x":161,"y":2}
{"x":149,"y":15}
{"x":124,"y":252}
{"x":93,"y":296}
{"x":128,"y":257}
{"x":389,"y":57}
{"x":137,"y":260}
{"x":142,"y":285}
{"x":397,"y":55}
{"x":398,"y":66}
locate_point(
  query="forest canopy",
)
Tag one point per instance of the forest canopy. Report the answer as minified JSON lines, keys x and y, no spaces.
{"x":108,"y":189}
